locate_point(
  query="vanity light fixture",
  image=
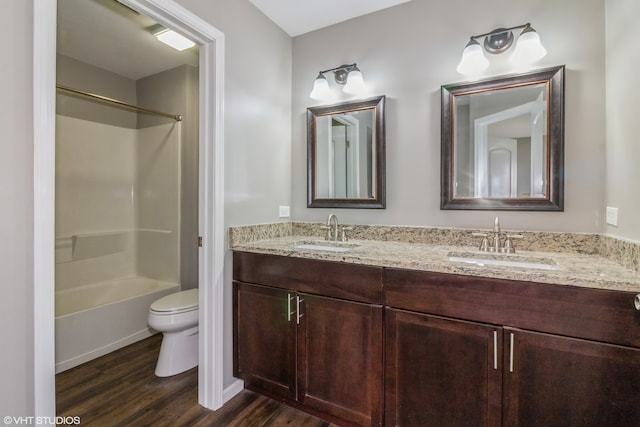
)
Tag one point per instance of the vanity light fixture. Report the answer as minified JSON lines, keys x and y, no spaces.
{"x":171,"y":38}
{"x":347,"y":75}
{"x":528,"y":48}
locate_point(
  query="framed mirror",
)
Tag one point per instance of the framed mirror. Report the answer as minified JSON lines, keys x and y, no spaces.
{"x":346,"y":155}
{"x":503,"y":143}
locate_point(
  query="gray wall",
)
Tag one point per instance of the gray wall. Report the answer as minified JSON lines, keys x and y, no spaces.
{"x":257,"y":122}
{"x":257,"y":110}
{"x":623,"y":105}
{"x":16,"y":209}
{"x":176,"y":91}
{"x":407,"y":52}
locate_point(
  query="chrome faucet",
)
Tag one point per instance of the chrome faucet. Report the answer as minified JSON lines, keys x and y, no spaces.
{"x":332,"y":228}
{"x":494,"y":245}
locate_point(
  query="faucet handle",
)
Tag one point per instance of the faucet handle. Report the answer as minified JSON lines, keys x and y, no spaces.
{"x":484,"y":245}
{"x":344,"y":228}
{"x":508,"y":245}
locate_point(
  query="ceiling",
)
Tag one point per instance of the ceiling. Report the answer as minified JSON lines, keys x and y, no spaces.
{"x":108,"y":35}
{"x":297,"y":17}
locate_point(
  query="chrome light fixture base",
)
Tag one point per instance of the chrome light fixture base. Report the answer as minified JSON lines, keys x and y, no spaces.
{"x":340,"y":74}
{"x":498,"y":41}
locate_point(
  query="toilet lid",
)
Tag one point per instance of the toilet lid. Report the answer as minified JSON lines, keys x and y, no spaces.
{"x":180,"y":301}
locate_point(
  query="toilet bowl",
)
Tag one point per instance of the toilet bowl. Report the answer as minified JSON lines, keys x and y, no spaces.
{"x":176,"y":316}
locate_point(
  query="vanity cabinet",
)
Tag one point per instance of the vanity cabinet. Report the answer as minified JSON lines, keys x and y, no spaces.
{"x":555,"y":380}
{"x":452,"y":349}
{"x":310,"y":333}
{"x":265,"y":339}
{"x":458,"y":353}
{"x":441,"y":372}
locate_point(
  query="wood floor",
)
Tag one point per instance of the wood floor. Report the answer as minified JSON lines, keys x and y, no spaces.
{"x":120,"y":389}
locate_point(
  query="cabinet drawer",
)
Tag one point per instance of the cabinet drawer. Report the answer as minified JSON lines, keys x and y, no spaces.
{"x":339,"y":280}
{"x":596,"y":314}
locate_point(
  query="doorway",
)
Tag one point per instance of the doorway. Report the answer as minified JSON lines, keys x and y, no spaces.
{"x":210,"y":212}
{"x":126,"y":176}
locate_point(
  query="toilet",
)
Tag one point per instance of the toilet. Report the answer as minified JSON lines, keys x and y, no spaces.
{"x":176,"y":316}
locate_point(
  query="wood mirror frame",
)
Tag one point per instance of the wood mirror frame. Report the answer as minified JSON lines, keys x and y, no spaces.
{"x":376,"y":197}
{"x":553,"y":199}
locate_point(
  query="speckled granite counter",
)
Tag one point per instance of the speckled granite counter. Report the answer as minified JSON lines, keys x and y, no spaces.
{"x":591,"y":271}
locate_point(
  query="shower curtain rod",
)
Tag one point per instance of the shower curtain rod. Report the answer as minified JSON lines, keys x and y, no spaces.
{"x":176,"y":117}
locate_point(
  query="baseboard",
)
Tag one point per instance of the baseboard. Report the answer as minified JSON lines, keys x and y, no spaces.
{"x":232,"y":390}
{"x":94,"y":354}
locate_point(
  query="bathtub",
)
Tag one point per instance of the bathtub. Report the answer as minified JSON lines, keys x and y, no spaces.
{"x":96,"y":319}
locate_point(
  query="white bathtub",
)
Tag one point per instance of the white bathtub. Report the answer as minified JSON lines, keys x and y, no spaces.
{"x":96,"y":319}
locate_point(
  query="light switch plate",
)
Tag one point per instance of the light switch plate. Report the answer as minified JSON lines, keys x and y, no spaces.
{"x":612,"y":216}
{"x":284,"y":211}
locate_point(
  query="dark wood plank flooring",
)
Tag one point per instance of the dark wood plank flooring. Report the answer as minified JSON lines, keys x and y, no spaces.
{"x":120,"y":389}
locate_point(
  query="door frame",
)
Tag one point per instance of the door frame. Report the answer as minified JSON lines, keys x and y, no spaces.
{"x":211,"y":393}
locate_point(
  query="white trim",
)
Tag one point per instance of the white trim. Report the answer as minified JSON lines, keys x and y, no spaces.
{"x":101,"y":351}
{"x":211,"y":211}
{"x":353,"y":160}
{"x":44,"y":161}
{"x":236,"y":387}
{"x":330,"y":160}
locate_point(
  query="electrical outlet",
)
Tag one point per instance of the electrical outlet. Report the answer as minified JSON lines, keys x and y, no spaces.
{"x":612,"y":216}
{"x":283,"y":211}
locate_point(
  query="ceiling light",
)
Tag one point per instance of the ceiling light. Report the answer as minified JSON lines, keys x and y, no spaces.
{"x":528,"y":48}
{"x":348,"y":75}
{"x":173,"y":39}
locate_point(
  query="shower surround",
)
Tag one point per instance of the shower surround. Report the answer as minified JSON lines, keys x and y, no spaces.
{"x":117,"y":232}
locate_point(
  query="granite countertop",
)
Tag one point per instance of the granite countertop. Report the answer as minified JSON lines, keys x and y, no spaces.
{"x":590,"y":271}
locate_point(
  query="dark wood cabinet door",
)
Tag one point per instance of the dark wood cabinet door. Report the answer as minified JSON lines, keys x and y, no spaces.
{"x":559,"y":381}
{"x":441,"y":372}
{"x":340,"y":359}
{"x":265,"y":339}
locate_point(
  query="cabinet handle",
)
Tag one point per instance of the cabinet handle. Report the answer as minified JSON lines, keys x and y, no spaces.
{"x":511,"y":352}
{"x":298,"y":313}
{"x":495,"y":349}
{"x":289,"y":312}
{"x":636,"y":302}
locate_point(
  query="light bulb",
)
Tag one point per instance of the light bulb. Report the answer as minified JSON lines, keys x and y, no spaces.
{"x":355,"y":83}
{"x":320,"y":88}
{"x":473,"y":60}
{"x":528,"y":48}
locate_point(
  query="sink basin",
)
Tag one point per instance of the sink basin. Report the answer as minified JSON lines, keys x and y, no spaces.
{"x":503,"y":260}
{"x":325,"y":245}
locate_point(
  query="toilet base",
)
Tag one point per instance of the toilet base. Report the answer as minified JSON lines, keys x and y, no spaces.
{"x":178,"y":352}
